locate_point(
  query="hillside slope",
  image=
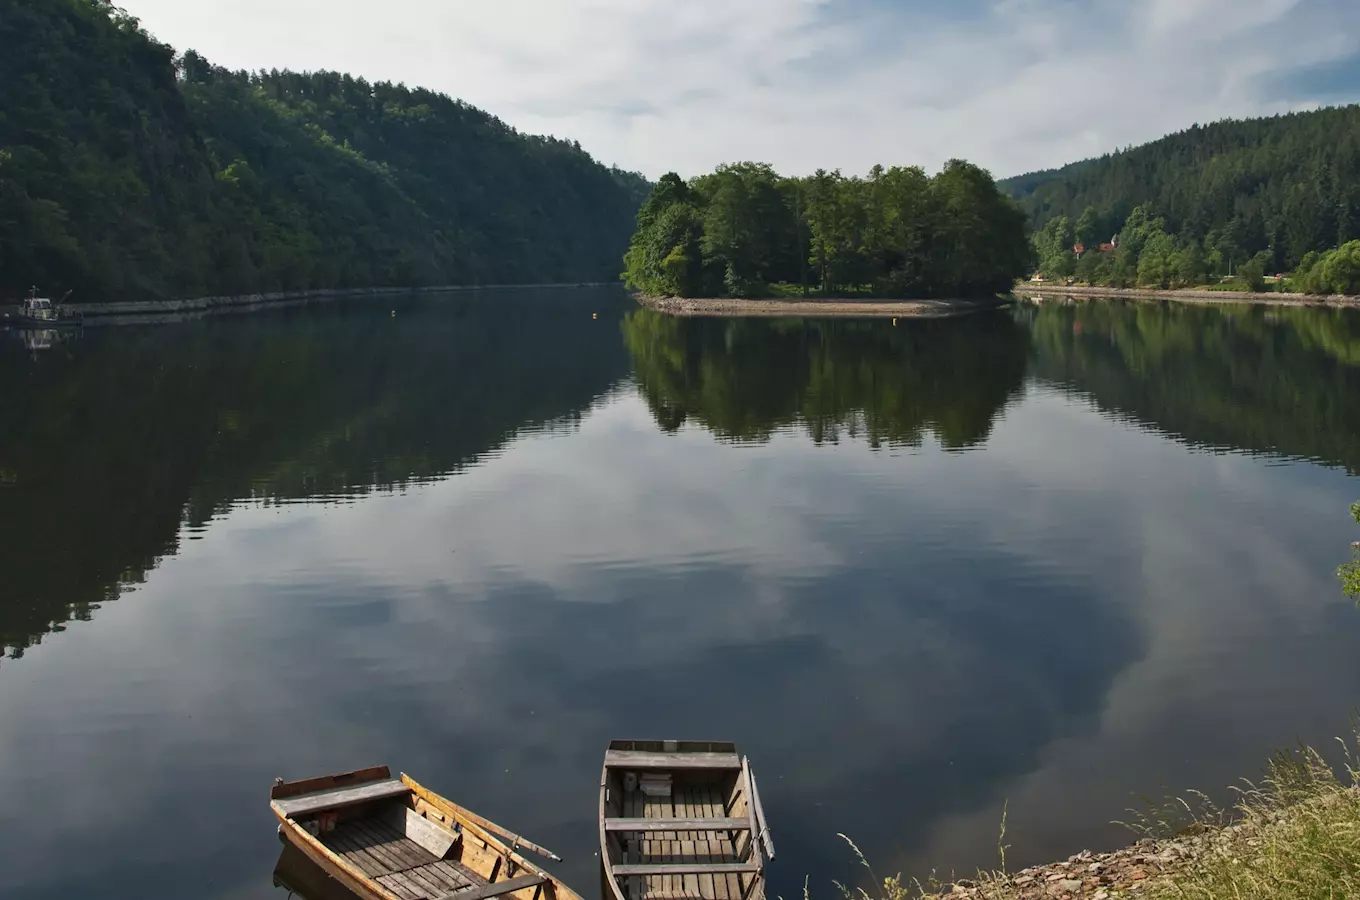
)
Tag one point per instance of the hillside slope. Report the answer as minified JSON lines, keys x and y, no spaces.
{"x":1287,"y":184}
{"x":127,"y":172}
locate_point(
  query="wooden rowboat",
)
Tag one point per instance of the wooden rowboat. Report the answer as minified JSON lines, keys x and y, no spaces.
{"x":388,"y":838}
{"x":681,"y":820}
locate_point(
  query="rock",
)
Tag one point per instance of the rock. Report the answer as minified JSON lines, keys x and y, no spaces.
{"x":1023,"y":880}
{"x":1094,"y":867}
{"x":1101,"y":895}
{"x":1056,"y":876}
{"x":1071,"y":885}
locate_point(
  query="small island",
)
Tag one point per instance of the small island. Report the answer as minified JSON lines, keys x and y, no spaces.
{"x":745,"y":240}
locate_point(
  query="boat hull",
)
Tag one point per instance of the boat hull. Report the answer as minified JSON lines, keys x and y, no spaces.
{"x":326,"y":862}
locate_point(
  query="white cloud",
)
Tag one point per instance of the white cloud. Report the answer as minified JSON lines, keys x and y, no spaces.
{"x":656,"y":85}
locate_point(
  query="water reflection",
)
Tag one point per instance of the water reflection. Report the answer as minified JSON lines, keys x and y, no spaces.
{"x":456,"y":542}
{"x":745,"y":379}
{"x":132,"y":439}
{"x":301,"y":877}
{"x":1277,"y":380}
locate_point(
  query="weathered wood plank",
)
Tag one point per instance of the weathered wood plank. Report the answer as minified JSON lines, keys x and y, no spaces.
{"x":433,"y":887}
{"x":402,"y":853}
{"x":438,"y":877}
{"x":478,"y":857}
{"x":355,"y":850}
{"x":649,"y":825}
{"x":433,"y":838}
{"x":699,"y":805}
{"x":400,"y":885}
{"x":688,"y":847}
{"x":328,"y":782}
{"x":454,"y":873}
{"x":674,"y":868}
{"x":496,"y":890}
{"x":303,"y":804}
{"x":641,"y":759}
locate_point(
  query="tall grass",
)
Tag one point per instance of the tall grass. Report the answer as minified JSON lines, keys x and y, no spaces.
{"x":1296,"y":835}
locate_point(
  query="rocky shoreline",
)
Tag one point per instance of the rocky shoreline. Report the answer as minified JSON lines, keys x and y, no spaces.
{"x":818,"y":308}
{"x":1185,"y":296}
{"x":1087,"y":875}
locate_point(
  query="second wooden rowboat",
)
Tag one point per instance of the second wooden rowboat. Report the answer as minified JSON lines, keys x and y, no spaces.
{"x":387,"y":838}
{"x":681,"y":820}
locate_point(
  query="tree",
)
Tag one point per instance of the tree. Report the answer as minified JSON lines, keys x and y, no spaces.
{"x":1142,"y":224}
{"x":1341,"y":269}
{"x":1088,"y":228}
{"x":666,"y":256}
{"x":1053,"y":246}
{"x":1189,"y":265}
{"x":1253,"y":275}
{"x":1157,"y":262}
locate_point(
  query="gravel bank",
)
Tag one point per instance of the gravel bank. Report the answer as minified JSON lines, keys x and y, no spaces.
{"x":819,"y":308}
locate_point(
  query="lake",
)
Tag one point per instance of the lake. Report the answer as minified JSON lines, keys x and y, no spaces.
{"x":1040,"y":561}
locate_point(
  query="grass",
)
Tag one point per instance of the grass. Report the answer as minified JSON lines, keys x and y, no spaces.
{"x":1295,"y":835}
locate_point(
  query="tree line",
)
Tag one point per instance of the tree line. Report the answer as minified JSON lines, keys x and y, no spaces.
{"x":128,"y":171}
{"x":1246,"y":198}
{"x":899,"y":232}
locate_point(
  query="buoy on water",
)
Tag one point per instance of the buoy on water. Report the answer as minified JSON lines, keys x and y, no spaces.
{"x":594,"y":315}
{"x":894,"y":320}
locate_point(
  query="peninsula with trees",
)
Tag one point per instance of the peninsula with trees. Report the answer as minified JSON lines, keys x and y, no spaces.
{"x":745,"y":232}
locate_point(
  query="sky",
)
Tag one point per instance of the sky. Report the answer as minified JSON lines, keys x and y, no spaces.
{"x":661,"y":85}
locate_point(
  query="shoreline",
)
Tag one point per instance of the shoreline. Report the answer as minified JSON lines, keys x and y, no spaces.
{"x":1270,"y":841}
{"x":825,"y":307}
{"x":1187,"y":296}
{"x":155,"y":311}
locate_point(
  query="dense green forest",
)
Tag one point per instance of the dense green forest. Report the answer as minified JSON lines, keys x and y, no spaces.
{"x":114,"y":447}
{"x":897,"y":233}
{"x":1247,"y":198}
{"x":129,"y":172}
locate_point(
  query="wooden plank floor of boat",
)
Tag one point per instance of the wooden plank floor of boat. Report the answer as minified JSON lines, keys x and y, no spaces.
{"x":692,"y":802}
{"x":396,"y":862}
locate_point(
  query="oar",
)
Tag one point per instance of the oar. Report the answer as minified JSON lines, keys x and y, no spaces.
{"x":504,"y":832}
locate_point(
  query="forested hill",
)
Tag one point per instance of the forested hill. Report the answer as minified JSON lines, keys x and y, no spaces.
{"x":1285,"y":185}
{"x":129,"y":172}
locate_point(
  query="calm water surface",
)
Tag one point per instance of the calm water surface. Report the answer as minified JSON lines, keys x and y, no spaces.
{"x":1047,"y":559}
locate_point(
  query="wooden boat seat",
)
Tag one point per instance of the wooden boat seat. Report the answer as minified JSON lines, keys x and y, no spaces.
{"x":320,"y":801}
{"x":643,"y":759}
{"x":686,"y":868}
{"x":495,"y":890}
{"x":677,"y":824}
